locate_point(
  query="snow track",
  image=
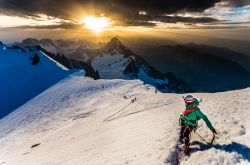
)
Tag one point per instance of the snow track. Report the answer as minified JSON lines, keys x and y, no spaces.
{"x":66,"y":124}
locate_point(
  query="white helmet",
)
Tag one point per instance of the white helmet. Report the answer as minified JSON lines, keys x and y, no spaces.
{"x":189,"y":99}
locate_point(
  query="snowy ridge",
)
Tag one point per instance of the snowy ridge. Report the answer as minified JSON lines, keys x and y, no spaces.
{"x":67,"y":124}
{"x":57,"y":63}
{"x":68,"y":48}
{"x":25,"y":73}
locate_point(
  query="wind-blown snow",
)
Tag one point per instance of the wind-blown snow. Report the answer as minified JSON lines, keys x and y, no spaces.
{"x":20,"y":80}
{"x":82,"y":121}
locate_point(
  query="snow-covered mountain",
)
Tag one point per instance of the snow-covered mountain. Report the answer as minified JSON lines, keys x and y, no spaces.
{"x":25,"y":73}
{"x":117,"y":61}
{"x":79,"y":50}
{"x":74,"y":49}
{"x":82,"y":121}
{"x":109,"y":61}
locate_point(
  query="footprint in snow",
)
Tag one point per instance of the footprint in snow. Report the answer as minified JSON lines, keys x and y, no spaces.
{"x":35,"y":145}
{"x":26,"y":153}
{"x":242,"y":130}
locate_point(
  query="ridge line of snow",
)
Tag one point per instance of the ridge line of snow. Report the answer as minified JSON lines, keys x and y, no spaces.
{"x":57,"y":63}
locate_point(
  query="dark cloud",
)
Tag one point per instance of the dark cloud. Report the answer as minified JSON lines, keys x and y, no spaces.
{"x":176,"y":19}
{"x":135,"y":23}
{"x":132,"y":7}
{"x":126,"y":10}
{"x":193,"y":19}
{"x":59,"y":26}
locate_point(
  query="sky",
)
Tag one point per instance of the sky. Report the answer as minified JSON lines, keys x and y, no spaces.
{"x":83,"y":18}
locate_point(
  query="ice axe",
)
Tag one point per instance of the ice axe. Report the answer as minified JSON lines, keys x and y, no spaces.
{"x":208,"y":142}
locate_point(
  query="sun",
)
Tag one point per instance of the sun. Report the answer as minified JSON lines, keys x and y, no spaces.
{"x":96,"y":24}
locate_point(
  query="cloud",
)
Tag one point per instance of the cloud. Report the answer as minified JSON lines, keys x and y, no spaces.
{"x":128,"y":11}
{"x":147,"y":22}
{"x":236,"y":3}
{"x":59,"y":26}
{"x":176,"y":19}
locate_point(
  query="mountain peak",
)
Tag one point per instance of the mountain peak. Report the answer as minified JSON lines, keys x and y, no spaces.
{"x":116,"y":45}
{"x":116,"y":41}
{"x":29,"y":42}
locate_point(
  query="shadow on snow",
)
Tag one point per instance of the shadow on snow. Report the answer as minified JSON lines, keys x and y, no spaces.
{"x":232,"y":147}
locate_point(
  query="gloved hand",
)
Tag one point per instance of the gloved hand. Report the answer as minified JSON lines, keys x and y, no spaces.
{"x":214,"y":131}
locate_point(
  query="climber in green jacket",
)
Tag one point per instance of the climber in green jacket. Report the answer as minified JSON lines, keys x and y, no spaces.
{"x":189,"y":120}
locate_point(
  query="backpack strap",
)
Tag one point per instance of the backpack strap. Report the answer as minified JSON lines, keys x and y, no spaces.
{"x":189,"y":110}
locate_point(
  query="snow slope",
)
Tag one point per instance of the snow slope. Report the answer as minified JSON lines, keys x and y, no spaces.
{"x":110,"y":66}
{"x":80,"y":121}
{"x":20,"y":80}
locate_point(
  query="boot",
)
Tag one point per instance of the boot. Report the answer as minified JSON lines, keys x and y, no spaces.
{"x":186,"y":150}
{"x":181,"y":139}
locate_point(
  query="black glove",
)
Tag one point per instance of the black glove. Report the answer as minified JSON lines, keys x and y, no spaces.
{"x":214,"y":131}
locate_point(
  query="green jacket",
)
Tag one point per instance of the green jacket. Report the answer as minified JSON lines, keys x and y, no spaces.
{"x":191,"y":118}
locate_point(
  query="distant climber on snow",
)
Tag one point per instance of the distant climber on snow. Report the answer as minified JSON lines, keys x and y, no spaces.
{"x":189,"y":120}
